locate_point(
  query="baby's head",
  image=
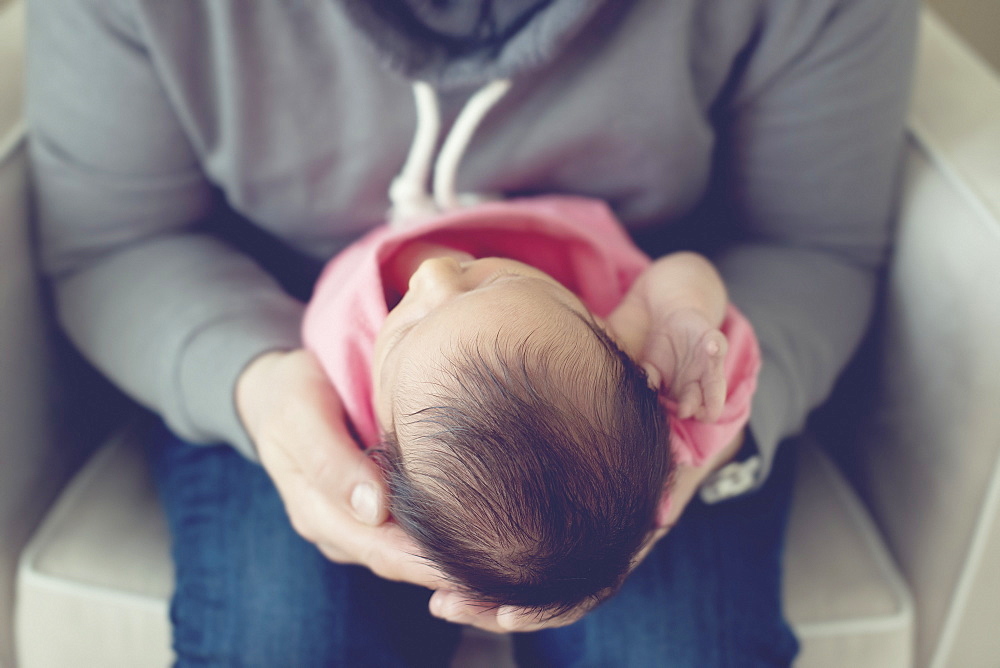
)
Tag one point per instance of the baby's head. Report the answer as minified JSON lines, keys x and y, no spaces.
{"x":524,"y":450}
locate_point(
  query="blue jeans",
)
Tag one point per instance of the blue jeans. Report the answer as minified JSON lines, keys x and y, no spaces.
{"x":251,"y":592}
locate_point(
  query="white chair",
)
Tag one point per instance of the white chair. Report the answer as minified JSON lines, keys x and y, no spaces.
{"x":908,"y":577}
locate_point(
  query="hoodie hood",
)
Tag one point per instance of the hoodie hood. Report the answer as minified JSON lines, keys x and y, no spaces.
{"x":454,"y":44}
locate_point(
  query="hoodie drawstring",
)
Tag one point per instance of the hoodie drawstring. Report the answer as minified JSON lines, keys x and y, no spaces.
{"x":408,"y":192}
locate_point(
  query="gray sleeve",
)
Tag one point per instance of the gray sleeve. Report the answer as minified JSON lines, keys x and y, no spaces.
{"x":169,"y":313}
{"x":811,"y":154}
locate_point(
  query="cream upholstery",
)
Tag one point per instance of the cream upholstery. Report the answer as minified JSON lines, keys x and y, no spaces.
{"x":99,"y":569}
{"x":30,"y":472}
{"x":932,"y":453}
{"x":94,"y":580}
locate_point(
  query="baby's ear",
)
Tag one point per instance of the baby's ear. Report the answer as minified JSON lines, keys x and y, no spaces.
{"x":652,"y":375}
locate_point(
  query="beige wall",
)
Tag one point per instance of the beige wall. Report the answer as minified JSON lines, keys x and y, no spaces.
{"x":978,"y":21}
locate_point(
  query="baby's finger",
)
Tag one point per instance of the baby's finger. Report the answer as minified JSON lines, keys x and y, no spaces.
{"x":660,"y":353}
{"x":652,"y":376}
{"x":714,"y":392}
{"x":690,"y":401}
{"x":713,"y":379}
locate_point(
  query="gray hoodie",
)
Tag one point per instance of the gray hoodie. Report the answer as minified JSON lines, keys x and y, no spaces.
{"x":195,"y":161}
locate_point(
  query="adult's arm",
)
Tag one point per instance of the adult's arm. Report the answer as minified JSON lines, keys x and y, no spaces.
{"x":169,"y":313}
{"x":810,"y":153}
{"x":184,"y":323}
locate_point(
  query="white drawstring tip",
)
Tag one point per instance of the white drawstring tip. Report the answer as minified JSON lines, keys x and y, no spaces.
{"x":409,"y":200}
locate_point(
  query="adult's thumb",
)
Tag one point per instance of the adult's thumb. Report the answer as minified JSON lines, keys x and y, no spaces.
{"x":368,"y":503}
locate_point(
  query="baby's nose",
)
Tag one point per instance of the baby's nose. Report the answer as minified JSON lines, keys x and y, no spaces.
{"x":437,"y":278}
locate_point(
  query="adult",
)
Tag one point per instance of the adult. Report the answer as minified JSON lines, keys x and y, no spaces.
{"x":194,"y":162}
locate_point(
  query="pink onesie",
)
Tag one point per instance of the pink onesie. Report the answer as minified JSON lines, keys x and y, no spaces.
{"x":577,"y":241}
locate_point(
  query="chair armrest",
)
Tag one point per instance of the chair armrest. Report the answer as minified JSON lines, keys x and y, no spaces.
{"x":41,"y":439}
{"x":929,"y":457}
{"x":28,"y":479}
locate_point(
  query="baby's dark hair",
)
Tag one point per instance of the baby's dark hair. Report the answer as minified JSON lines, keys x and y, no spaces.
{"x":534,"y":477}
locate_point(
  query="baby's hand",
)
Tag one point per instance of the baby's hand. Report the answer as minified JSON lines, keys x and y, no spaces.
{"x":669,"y":322}
{"x":684,"y":355}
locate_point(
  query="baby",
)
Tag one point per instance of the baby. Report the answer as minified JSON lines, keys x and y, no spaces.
{"x":489,"y":358}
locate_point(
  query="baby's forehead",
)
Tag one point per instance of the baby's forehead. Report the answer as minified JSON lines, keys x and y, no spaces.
{"x":524,"y":333}
{"x":562,"y":349}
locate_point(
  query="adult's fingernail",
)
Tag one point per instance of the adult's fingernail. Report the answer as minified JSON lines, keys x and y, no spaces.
{"x":364,"y":501}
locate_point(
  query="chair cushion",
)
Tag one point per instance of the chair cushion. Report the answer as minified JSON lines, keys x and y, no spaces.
{"x":98,"y":576}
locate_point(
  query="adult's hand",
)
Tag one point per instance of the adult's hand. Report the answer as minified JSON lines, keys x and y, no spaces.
{"x":332,"y":491}
{"x":669,"y":323}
